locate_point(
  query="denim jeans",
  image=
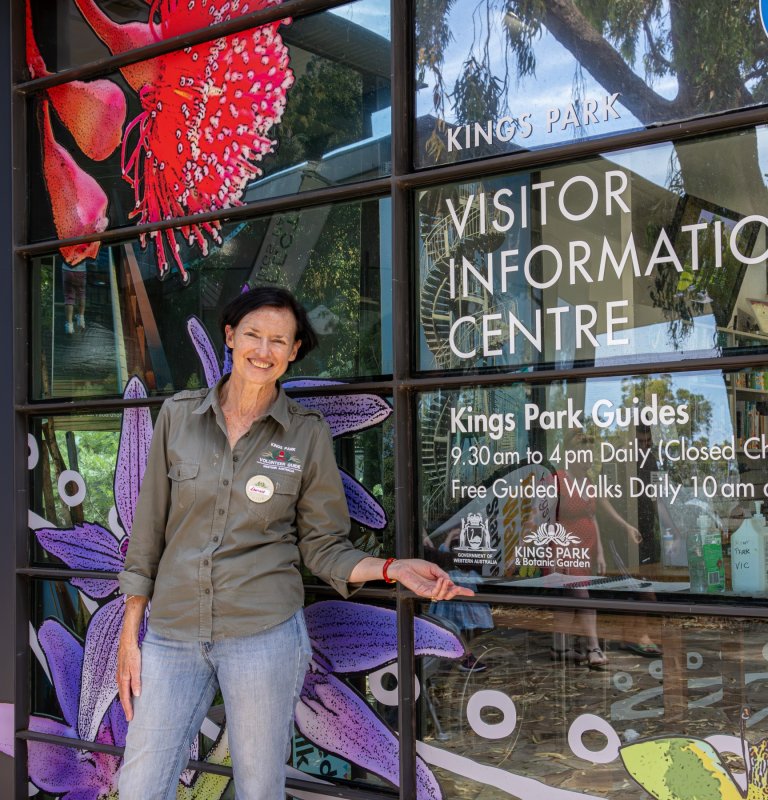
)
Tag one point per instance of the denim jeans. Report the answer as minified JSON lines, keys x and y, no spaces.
{"x":260,"y":677}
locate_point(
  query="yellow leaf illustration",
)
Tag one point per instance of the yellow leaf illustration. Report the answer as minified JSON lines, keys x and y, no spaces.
{"x":679,"y":768}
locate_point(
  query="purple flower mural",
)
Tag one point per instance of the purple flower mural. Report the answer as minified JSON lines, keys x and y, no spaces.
{"x":347,"y":638}
{"x":83,"y":674}
{"x":68,"y":771}
{"x":92,"y":547}
{"x":346,"y":413}
{"x":350,"y":638}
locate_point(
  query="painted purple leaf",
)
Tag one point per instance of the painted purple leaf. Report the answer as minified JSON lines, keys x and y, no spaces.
{"x":118,"y":724}
{"x":346,"y":413}
{"x":338,"y":720}
{"x":205,"y":352}
{"x":227,"y":365}
{"x":95,"y":588}
{"x":55,"y":768}
{"x":99,"y":667}
{"x":64,"y":654}
{"x":135,"y":438}
{"x":363,"y":506}
{"x":70,"y":771}
{"x":86,"y":546}
{"x":352,"y":637}
{"x":7,"y":729}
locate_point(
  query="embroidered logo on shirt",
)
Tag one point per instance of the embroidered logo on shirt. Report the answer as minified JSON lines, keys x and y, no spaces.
{"x":281,"y":458}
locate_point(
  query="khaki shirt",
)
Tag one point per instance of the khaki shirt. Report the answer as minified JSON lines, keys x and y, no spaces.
{"x":214,"y":562}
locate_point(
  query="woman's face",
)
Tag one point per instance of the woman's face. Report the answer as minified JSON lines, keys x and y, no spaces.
{"x":263,"y":344}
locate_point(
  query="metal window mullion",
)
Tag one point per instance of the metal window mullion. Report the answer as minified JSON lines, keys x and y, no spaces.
{"x":544,"y":376}
{"x":425,"y":179}
{"x":14,"y":588}
{"x":102,"y":66}
{"x":329,"y":789}
{"x":346,"y":192}
{"x":116,"y":403}
{"x":429,"y":177}
{"x":403,"y":329}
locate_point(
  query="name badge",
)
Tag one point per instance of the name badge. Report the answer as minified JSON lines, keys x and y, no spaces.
{"x":259,"y":488}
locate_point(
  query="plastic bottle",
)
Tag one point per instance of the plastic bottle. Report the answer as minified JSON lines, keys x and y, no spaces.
{"x":705,"y":558}
{"x":759,"y":522}
{"x":748,"y":555}
{"x":667,"y":548}
{"x":696,"y":569}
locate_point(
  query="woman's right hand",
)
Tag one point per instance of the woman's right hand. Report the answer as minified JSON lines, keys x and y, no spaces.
{"x":129,"y":654}
{"x":128,"y":673}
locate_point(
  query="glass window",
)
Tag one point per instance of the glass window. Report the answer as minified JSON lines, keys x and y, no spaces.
{"x":650,"y":484}
{"x":77,"y":503}
{"x":271,"y":111}
{"x":96,"y":325}
{"x":647,"y":254}
{"x":518,"y":713}
{"x":345,"y":723}
{"x":525,"y":75}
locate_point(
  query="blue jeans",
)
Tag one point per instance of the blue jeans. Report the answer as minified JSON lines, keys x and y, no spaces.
{"x":260,"y":677}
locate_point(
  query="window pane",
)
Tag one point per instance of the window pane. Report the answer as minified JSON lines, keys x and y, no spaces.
{"x":524,"y":725}
{"x":335,"y":258}
{"x":640,"y":484}
{"x":272,"y":111}
{"x":346,"y":718}
{"x":72,"y":638}
{"x":77,"y":499}
{"x":646,"y":254}
{"x":528,"y":75}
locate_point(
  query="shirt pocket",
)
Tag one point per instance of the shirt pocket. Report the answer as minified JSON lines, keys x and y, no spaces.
{"x":183,"y":484}
{"x":282,"y":504}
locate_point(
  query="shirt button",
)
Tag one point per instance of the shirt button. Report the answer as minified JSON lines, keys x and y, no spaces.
{"x":215,"y":538}
{"x":247,"y":434}
{"x":221,"y":511}
{"x":226,"y":482}
{"x":235,"y":458}
{"x":207,"y":591}
{"x":205,"y":563}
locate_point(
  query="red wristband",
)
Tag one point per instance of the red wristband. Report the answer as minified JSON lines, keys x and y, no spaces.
{"x":387,"y":564}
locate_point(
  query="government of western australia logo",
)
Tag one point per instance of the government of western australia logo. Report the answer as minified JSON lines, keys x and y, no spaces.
{"x":552,"y":546}
{"x":475,"y":542}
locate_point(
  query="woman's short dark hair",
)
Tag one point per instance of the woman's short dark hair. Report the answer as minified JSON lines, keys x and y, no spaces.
{"x":274,"y":297}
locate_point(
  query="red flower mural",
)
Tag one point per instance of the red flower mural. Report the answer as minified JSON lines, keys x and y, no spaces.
{"x":207,"y":112}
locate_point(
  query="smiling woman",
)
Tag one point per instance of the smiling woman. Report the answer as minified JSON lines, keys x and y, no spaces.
{"x":241,"y":486}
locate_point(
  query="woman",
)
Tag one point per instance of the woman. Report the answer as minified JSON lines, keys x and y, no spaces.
{"x":578,"y":513}
{"x":241,"y":484}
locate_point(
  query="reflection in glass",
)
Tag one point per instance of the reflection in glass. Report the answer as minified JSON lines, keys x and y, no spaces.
{"x":528,"y":725}
{"x":647,"y":253}
{"x":528,"y":75}
{"x":335,"y":258}
{"x":632,"y":483}
{"x":271,"y":111}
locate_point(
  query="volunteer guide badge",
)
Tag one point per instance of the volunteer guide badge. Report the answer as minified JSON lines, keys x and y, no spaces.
{"x":259,"y":488}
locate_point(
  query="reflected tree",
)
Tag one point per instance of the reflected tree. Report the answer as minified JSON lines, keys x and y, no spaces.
{"x":717,"y":52}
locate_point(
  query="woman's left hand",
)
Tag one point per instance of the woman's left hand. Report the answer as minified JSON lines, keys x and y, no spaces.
{"x":426,"y":579}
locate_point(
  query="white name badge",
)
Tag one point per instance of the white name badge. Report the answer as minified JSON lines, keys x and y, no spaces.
{"x":259,"y":488}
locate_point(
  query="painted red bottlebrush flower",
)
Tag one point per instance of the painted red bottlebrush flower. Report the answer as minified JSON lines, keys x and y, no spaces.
{"x":79,"y":204}
{"x":207,"y":112}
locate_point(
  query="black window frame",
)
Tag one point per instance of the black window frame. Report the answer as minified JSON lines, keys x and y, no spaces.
{"x":17,"y":577}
